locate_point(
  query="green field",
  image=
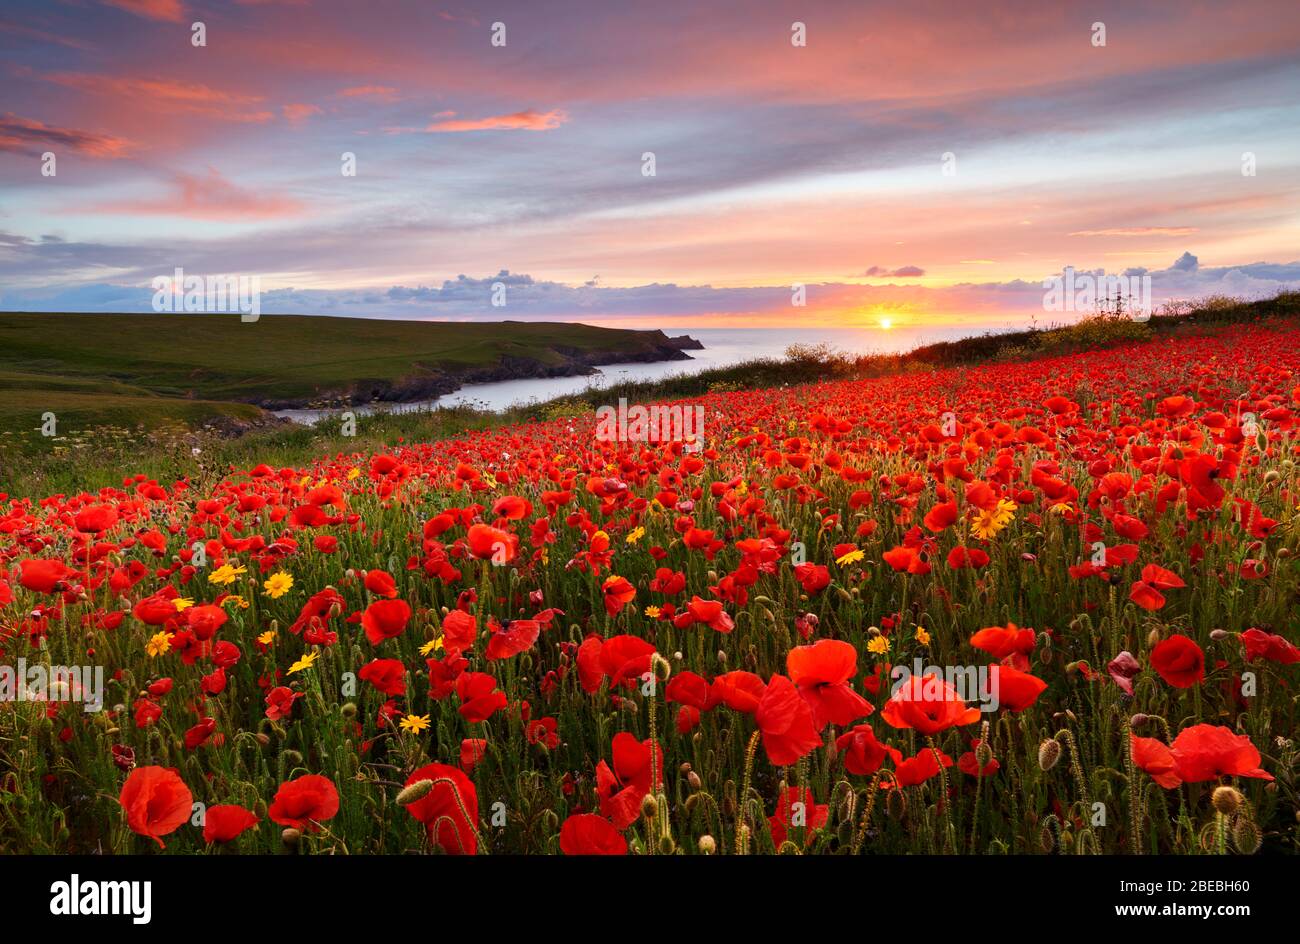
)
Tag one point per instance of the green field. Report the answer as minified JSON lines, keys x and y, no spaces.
{"x":152,"y":370}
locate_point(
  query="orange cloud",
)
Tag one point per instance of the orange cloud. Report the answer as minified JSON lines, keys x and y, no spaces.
{"x":210,"y":197}
{"x":174,"y":95}
{"x":168,"y":11}
{"x":28,"y":136}
{"x":529,"y":120}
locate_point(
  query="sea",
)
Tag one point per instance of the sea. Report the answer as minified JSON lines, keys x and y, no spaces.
{"x":723,"y":347}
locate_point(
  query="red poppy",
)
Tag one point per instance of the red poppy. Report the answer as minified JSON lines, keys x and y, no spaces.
{"x":1156,"y":759}
{"x":863,"y":754}
{"x":1014,"y":689}
{"x":589,"y":834}
{"x":494,"y":544}
{"x":1207,"y":752}
{"x":797,"y":810}
{"x":381,"y":583}
{"x":621,"y":788}
{"x":385,"y":619}
{"x":304,"y":802}
{"x":224,"y":823}
{"x":927,"y":704}
{"x":919,"y":769}
{"x":786,"y":722}
{"x":1261,"y":645}
{"x":1179,"y":661}
{"x":822,"y":672}
{"x":387,"y":675}
{"x":44,"y":575}
{"x":618,"y":594}
{"x":449,"y":810}
{"x":479,"y":698}
{"x":156,"y":802}
{"x":459,"y":630}
{"x":515,"y":637}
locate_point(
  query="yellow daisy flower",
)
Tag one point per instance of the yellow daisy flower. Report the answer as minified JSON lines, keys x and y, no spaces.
{"x":987,"y":524}
{"x":278,"y":585}
{"x":852,"y":557}
{"x":226,"y":574}
{"x":878,"y":645}
{"x":158,"y":644}
{"x":635,"y":535}
{"x":306,"y":662}
{"x":182,"y":604}
{"x":415,"y":723}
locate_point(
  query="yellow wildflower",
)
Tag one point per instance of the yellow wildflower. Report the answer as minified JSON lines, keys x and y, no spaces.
{"x":182,"y":604}
{"x":158,"y":644}
{"x":306,"y":662}
{"x":226,"y":574}
{"x":235,"y":600}
{"x":431,"y":645}
{"x":922,"y":636}
{"x":267,"y":637}
{"x":852,"y":557}
{"x":415,"y":723}
{"x":354,"y":473}
{"x":878,"y":645}
{"x":653,"y":611}
{"x":278,"y":585}
{"x":635,"y":535}
{"x":988,"y":523}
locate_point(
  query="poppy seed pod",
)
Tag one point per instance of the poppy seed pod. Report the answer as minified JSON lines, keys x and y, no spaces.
{"x":1049,"y":752}
{"x":707,"y":845}
{"x":1227,"y":800}
{"x":649,"y":806}
{"x":416,"y":791}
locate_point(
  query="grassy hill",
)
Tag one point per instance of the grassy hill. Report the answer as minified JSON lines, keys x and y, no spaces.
{"x":130,"y":370}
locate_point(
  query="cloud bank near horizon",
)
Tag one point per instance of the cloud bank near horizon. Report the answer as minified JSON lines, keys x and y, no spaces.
{"x":669,"y":305}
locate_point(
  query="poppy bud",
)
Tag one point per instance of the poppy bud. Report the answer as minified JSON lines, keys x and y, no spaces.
{"x":666,"y":845}
{"x":290,"y":837}
{"x":1218,"y":634}
{"x":1049,"y":752}
{"x":1246,"y":836}
{"x":649,"y":806}
{"x":292,"y":758}
{"x":262,"y":739}
{"x":348,"y":710}
{"x":1227,"y":800}
{"x":707,"y":845}
{"x":1153,"y":638}
{"x":1138,"y":720}
{"x":693,"y":779}
{"x":722,"y":657}
{"x":416,"y":791}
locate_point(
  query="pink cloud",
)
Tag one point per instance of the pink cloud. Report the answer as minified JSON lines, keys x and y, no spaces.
{"x":385,"y":93}
{"x":297,"y":114}
{"x":28,"y":136}
{"x":1139,"y":231}
{"x":208,"y":197}
{"x":168,"y":11}
{"x":529,"y":120}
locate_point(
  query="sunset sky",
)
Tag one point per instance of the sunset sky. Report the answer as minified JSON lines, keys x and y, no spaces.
{"x":775,"y":164}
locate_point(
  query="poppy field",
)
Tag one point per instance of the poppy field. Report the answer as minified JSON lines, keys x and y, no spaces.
{"x":1030,"y":607}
